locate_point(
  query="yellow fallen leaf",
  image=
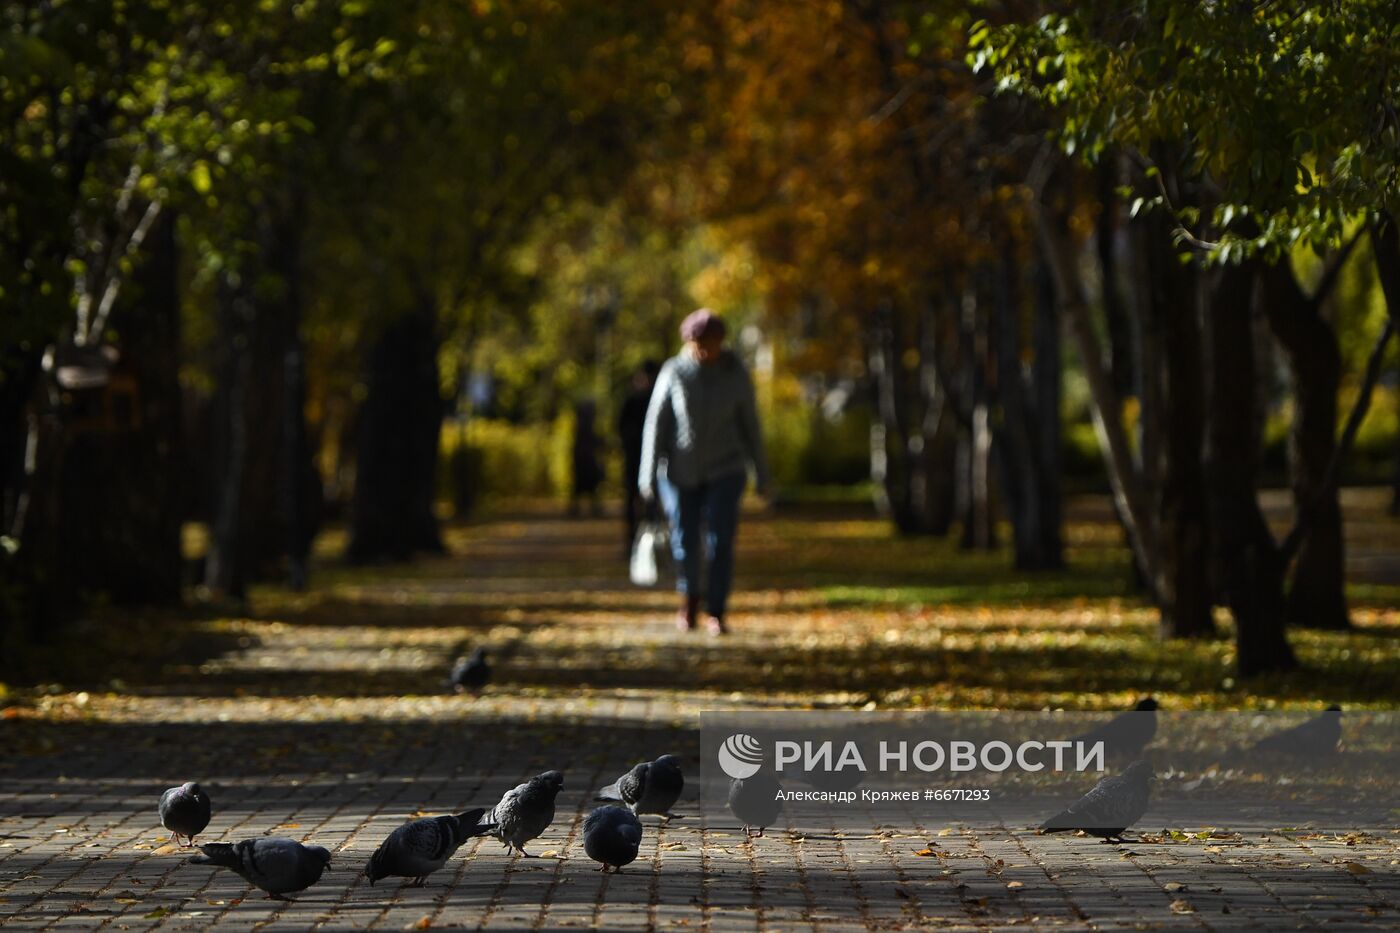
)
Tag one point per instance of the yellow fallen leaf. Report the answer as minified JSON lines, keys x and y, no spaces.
{"x":1182,"y":906}
{"x":424,"y":922}
{"x":1015,"y":884}
{"x":925,"y":852}
{"x":1356,"y":868}
{"x":1171,"y":887}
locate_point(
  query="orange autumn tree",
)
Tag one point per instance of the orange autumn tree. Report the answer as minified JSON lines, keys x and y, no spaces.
{"x":852,"y":149}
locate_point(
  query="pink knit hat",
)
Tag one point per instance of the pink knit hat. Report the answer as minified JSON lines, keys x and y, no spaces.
{"x":700,"y":324}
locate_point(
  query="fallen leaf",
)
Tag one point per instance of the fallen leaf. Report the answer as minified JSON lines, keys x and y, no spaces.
{"x":1015,"y":884}
{"x":1171,"y":887}
{"x":1182,"y":906}
{"x":424,"y":922}
{"x":158,"y":913}
{"x":1356,"y":868}
{"x":925,"y":852}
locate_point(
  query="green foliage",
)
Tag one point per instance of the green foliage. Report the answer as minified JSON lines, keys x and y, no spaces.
{"x":1291,"y":113}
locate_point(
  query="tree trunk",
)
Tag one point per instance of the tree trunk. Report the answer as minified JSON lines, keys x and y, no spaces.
{"x":1317,"y":597}
{"x":400,"y":428}
{"x":1182,"y":582}
{"x":1130,"y":501}
{"x":1119,"y":323}
{"x":910,"y":444}
{"x":262,"y":470}
{"x":1030,"y":437}
{"x":978,"y":518}
{"x":1247,"y":563}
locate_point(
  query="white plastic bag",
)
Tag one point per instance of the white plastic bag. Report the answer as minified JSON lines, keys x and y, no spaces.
{"x":651,"y":537}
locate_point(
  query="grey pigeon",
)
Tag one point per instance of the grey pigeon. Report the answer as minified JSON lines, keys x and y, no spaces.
{"x":185,"y":811}
{"x":650,"y":787}
{"x":755,"y":801}
{"x":612,"y":835}
{"x":417,"y":849}
{"x":526,"y":810}
{"x":1127,"y":734}
{"x":1315,"y":738}
{"x":277,"y":865}
{"x":470,"y":673}
{"x":1111,"y":806}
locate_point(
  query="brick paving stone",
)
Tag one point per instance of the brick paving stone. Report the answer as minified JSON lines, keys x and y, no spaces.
{"x":328,"y":731}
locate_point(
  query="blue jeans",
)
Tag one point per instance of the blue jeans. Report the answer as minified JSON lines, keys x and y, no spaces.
{"x":715,"y":505}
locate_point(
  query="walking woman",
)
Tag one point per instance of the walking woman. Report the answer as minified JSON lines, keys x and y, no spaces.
{"x":700,"y":438}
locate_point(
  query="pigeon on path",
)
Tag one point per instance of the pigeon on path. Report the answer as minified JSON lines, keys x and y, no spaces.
{"x":417,"y":849}
{"x":1315,"y":738}
{"x":277,"y":865}
{"x":1110,"y":807}
{"x":1127,"y":734}
{"x":470,"y":673}
{"x":185,"y":811}
{"x":526,"y":810}
{"x":650,"y":787}
{"x":755,"y":801}
{"x":612,"y":835}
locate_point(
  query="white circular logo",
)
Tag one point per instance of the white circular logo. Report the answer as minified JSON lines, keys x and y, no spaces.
{"x":741,"y":756}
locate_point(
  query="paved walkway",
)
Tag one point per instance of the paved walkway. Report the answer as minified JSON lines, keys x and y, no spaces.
{"x":320,"y":718}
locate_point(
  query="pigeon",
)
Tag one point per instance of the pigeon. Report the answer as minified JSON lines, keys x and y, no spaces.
{"x":526,"y":810}
{"x":1314,"y":738}
{"x":417,"y":849}
{"x":650,"y":787}
{"x":1111,"y":806}
{"x":755,"y":801}
{"x":612,"y":835}
{"x":470,"y":673}
{"x":1127,"y":734}
{"x":185,"y":811}
{"x":277,"y":865}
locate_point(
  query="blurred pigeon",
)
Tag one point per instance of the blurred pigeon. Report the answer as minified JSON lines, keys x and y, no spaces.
{"x":612,"y":835}
{"x":277,"y":865}
{"x":1127,"y":734}
{"x":417,"y":849}
{"x":526,"y":810}
{"x":185,"y":811}
{"x":470,"y":673}
{"x":1111,"y":806}
{"x":755,"y":801}
{"x":1316,"y":737}
{"x":650,"y":787}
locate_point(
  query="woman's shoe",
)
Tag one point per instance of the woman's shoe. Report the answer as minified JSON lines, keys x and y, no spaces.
{"x":690,"y":609}
{"x":715,"y":626}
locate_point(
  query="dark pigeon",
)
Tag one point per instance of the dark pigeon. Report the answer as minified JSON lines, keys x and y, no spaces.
{"x":755,"y":801}
{"x":275,"y":864}
{"x":1318,"y":737}
{"x":526,"y":810}
{"x":612,"y":835}
{"x":1110,"y":807}
{"x":185,"y":811}
{"x":471,"y":673}
{"x":1127,"y":734}
{"x":417,"y":849}
{"x":650,"y":787}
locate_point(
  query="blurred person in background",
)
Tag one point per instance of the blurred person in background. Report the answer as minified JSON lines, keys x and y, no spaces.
{"x":588,"y":471}
{"x":700,"y":438}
